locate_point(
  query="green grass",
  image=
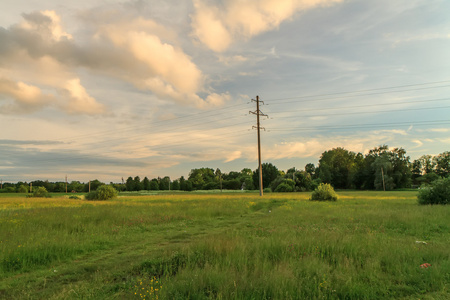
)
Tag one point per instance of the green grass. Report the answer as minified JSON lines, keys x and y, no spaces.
{"x":224,"y":246}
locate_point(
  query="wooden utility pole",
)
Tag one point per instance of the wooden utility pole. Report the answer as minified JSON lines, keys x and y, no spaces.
{"x":258,"y":113}
{"x":31,"y":187}
{"x":66,"y":184}
{"x":89,"y":186}
{"x":382,"y":177}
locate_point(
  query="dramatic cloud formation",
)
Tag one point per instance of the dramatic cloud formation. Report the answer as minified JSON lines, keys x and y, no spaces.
{"x":131,"y":49}
{"x":217,"y":27}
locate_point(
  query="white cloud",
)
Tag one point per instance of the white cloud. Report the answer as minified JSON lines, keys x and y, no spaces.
{"x":79,"y":101}
{"x":46,"y":23}
{"x":418,"y":142}
{"x":229,"y":60}
{"x":26,"y":98}
{"x":219,"y":26}
{"x":233,"y":156}
{"x":135,"y":50}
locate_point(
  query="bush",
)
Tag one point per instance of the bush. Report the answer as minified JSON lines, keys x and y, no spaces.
{"x":267,"y":190}
{"x":104,"y":192}
{"x":74,"y":197}
{"x":9,"y":189}
{"x":22,"y":189}
{"x":40,"y":192}
{"x":324,"y":192}
{"x":437,"y":193}
{"x":284,"y":188}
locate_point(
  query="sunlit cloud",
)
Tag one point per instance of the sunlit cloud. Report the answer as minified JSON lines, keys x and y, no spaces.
{"x":138,"y":51}
{"x":218,"y":26}
{"x":26,"y":98}
{"x":79,"y":101}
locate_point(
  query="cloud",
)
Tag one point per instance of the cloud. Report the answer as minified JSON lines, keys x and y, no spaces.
{"x":79,"y":101}
{"x":219,"y":26}
{"x":418,"y":143}
{"x":47,"y":23}
{"x":133,"y":49}
{"x":233,"y":156}
{"x":29,"y":142}
{"x":26,"y":98}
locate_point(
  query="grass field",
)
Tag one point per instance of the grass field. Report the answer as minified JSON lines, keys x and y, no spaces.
{"x":367,"y":245}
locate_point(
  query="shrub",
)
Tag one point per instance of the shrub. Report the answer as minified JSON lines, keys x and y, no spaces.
{"x":437,"y":193}
{"x":74,"y":197}
{"x":279,"y":181}
{"x":40,"y":191}
{"x":22,"y":189}
{"x":9,"y":189}
{"x":104,"y":192}
{"x":267,"y":190}
{"x":324,"y":192}
{"x":284,"y":188}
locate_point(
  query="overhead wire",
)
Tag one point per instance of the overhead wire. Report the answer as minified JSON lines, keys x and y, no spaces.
{"x":376,"y":125}
{"x":237,"y":107}
{"x":361,"y":106}
{"x":361,"y":91}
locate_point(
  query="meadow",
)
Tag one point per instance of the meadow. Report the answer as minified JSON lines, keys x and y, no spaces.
{"x":367,"y":245}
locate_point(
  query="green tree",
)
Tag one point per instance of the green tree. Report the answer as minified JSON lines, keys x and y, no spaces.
{"x":401,"y":172}
{"x":95,"y":184}
{"x":154,"y":185}
{"x":164,"y":183}
{"x":398,"y":170}
{"x":303,"y":181}
{"x":59,"y":187}
{"x":383,"y":168}
{"x":129,"y":184}
{"x":337,"y":167}
{"x":269,"y":174}
{"x":175,"y":185}
{"x":137,"y":183}
{"x":311,"y":170}
{"x":22,"y":189}
{"x":201,"y":177}
{"x":75,"y":186}
{"x":442,"y":162}
{"x":188,"y":186}
{"x":146,"y":184}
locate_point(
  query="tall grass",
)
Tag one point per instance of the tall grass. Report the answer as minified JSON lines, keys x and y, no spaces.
{"x":367,"y":245}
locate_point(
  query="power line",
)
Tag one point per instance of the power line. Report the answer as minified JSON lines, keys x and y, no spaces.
{"x":363,"y":91}
{"x":142,"y":126}
{"x":368,"y":112}
{"x":353,"y":126}
{"x":362,"y":106}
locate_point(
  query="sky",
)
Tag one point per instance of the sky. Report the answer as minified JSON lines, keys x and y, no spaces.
{"x":105,"y":89}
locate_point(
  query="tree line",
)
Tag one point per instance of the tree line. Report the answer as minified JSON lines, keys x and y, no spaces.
{"x":381,"y":168}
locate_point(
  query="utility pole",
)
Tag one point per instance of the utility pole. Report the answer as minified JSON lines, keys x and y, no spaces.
{"x":31,"y":187}
{"x":89,"y":186}
{"x":66,"y":184}
{"x":382,"y":176}
{"x":258,"y":127}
